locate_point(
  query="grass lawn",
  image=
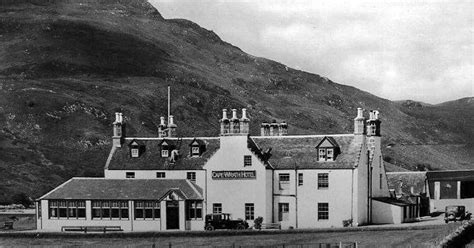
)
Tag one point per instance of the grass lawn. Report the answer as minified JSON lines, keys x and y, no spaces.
{"x":20,"y":221}
{"x":426,"y":237}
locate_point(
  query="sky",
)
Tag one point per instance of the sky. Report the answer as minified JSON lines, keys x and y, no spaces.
{"x":398,"y":50}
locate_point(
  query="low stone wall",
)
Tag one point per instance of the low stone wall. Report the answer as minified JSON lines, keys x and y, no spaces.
{"x":459,"y":238}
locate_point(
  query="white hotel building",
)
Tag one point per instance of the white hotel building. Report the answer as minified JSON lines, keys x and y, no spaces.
{"x":170,"y":183}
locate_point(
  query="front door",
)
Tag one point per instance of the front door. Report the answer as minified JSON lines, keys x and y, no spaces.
{"x":172,"y":215}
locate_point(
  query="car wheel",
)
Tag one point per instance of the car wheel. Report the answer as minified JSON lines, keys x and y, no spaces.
{"x":240,"y":227}
{"x":209,"y":228}
{"x":446,"y":221}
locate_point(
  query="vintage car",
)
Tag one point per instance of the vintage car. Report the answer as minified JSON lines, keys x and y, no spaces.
{"x":455,"y":213}
{"x":223,"y":221}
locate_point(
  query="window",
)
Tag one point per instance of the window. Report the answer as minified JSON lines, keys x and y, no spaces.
{"x":191,"y":176}
{"x":300,"y":179}
{"x":130,"y":175}
{"x":39,"y":210}
{"x":322,"y":154}
{"x":283,"y":210}
{"x":330,"y":154}
{"x":380,"y":180}
{"x":247,"y":160}
{"x":217,"y":208}
{"x":67,"y":209}
{"x":147,"y":210}
{"x":109,"y":209}
{"x":249,"y":211}
{"x":195,"y":151}
{"x":164,"y":153}
{"x":323,"y":211}
{"x":323,"y":180}
{"x":160,"y":175}
{"x":194,"y":210}
{"x":284,"y":180}
{"x":134,"y":152}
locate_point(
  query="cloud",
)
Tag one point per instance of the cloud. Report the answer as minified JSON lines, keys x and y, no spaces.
{"x":406,"y":49}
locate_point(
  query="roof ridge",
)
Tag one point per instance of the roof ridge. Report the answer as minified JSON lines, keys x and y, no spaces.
{"x":303,"y":136}
{"x":168,"y":138}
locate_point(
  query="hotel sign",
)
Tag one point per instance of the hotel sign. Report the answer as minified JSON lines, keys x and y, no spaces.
{"x":234,"y":174}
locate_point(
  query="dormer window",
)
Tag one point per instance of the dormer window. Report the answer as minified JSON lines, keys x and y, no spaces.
{"x":195,"y":151}
{"x":136,"y":149}
{"x":134,"y":152}
{"x":166,"y":147}
{"x":327,"y":149}
{"x":197,"y":147}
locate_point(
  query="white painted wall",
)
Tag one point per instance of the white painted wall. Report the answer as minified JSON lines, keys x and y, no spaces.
{"x":234,"y":193}
{"x":384,"y":213}
{"x":361,"y":192}
{"x":378,"y":168}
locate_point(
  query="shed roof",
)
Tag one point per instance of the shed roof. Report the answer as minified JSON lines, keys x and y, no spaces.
{"x":123,"y":189}
{"x":288,"y":152}
{"x":451,"y":175}
{"x":151,"y":159}
{"x":393,"y":201}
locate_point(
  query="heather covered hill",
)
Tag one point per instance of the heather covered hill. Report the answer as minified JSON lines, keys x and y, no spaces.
{"x":67,"y":66}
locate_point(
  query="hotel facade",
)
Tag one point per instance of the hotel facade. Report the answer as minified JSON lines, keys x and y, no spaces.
{"x":171,"y":183}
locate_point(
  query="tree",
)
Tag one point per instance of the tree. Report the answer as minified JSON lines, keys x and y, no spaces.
{"x":23,"y":199}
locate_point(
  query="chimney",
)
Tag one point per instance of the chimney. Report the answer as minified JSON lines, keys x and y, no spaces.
{"x":264,"y":129}
{"x":162,"y":128}
{"x":283,"y":128}
{"x":171,"y":127}
{"x":373,"y":124}
{"x":224,"y":123}
{"x":119,"y":127}
{"x":359,"y":122}
{"x":235,"y":123}
{"x":244,"y":122}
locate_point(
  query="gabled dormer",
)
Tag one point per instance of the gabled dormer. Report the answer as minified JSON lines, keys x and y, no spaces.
{"x":166,"y":146}
{"x":136,"y":148}
{"x":196,"y":148}
{"x":327,"y":149}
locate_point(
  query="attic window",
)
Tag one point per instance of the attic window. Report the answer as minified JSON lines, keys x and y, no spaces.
{"x":136,"y":149}
{"x":327,"y":149}
{"x":195,"y":151}
{"x":164,"y":153}
{"x":197,"y":147}
{"x":134,"y":152}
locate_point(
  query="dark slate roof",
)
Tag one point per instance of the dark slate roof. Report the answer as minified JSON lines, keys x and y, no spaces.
{"x":393,"y":201}
{"x":452,"y":175}
{"x":406,"y":180}
{"x":151,"y":159}
{"x":290,"y":151}
{"x":123,"y":189}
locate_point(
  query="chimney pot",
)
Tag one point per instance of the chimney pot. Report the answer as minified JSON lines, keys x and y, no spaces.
{"x":244,"y":114}
{"x":234,"y":114}
{"x":360,"y":113}
{"x":224,"y":114}
{"x":162,"y":121}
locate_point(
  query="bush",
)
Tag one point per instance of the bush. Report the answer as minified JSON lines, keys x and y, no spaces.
{"x":257,"y":223}
{"x":347,"y":223}
{"x":23,"y":199}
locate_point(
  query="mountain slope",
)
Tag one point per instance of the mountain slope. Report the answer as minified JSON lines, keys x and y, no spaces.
{"x":67,"y":66}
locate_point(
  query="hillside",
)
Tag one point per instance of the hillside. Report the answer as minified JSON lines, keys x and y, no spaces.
{"x":67,"y":66}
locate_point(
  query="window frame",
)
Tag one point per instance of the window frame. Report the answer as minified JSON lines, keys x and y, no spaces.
{"x":323,"y":180}
{"x":249,"y":211}
{"x":108,"y":208}
{"x":129,"y":174}
{"x":73,"y":209}
{"x":134,"y":152}
{"x":281,"y":207}
{"x":144,"y":205}
{"x":191,"y":176}
{"x":323,"y":211}
{"x":165,"y":153}
{"x":195,"y":151}
{"x":217,"y":208}
{"x":300,"y":179}
{"x":161,"y":173}
{"x":194,"y":210}
{"x":247,"y":160}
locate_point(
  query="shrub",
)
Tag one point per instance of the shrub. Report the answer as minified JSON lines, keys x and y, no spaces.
{"x":257,"y":223}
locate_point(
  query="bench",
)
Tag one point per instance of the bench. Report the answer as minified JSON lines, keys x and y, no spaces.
{"x":86,"y":229}
{"x":8,"y":225}
{"x":271,"y":226}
